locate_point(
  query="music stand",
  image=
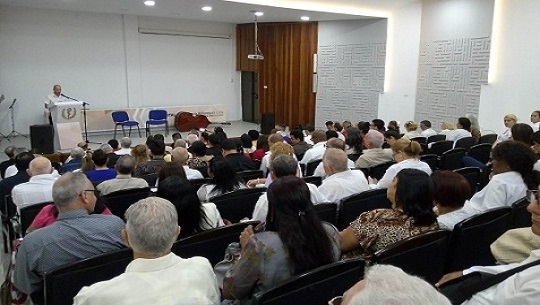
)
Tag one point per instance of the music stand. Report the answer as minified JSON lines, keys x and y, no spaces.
{"x":2,"y":136}
{"x":13,"y":132}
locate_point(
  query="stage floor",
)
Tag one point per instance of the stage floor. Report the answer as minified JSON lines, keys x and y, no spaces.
{"x":236,"y":129}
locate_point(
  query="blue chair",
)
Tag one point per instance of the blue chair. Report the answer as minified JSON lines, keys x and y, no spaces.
{"x":122,"y":118}
{"x":157,"y":117}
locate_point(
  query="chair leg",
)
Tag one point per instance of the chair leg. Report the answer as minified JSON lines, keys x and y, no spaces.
{"x":123,"y":130}
{"x":129,"y":133}
{"x":138,"y":129}
{"x":115,"y":127}
{"x":147,"y":130}
{"x":167,"y":128}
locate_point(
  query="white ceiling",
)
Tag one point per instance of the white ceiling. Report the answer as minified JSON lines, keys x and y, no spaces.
{"x":229,"y":11}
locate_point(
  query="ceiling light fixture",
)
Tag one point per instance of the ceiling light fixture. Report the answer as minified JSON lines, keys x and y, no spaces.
{"x":206,"y":8}
{"x":149,"y":2}
{"x":304,"y":18}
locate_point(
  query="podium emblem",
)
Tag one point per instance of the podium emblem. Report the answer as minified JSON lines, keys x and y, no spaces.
{"x":69,"y":113}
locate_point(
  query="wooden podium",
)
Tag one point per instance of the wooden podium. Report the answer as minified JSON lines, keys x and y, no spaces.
{"x":66,"y":117}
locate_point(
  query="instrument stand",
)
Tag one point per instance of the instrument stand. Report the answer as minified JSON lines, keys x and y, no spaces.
{"x":3,"y":136}
{"x":13,"y":132}
{"x":85,"y":128}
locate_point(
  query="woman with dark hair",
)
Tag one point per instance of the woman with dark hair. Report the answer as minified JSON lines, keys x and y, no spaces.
{"x":411,"y":195}
{"x":199,"y":159}
{"x":451,"y":191}
{"x":224,"y":180}
{"x":193,"y":216}
{"x":393,"y":125}
{"x":171,"y":169}
{"x":262,"y":148}
{"x":512,"y":171}
{"x":391,"y":136}
{"x":354,"y":141}
{"x":535,"y":120}
{"x":247,"y":148}
{"x":463,"y":130}
{"x":294,"y":241}
{"x":522,"y":133}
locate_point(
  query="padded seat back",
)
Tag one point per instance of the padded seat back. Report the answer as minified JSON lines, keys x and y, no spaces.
{"x":480,"y":152}
{"x":521,"y":218}
{"x":237,"y":205}
{"x":351,"y":207}
{"x":379,"y":170}
{"x":472,"y":174}
{"x":439,"y":147}
{"x":327,"y":212}
{"x":466,"y":143}
{"x":118,"y":202}
{"x":452,"y":159}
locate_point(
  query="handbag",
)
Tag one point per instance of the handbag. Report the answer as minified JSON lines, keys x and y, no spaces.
{"x":232,"y":254}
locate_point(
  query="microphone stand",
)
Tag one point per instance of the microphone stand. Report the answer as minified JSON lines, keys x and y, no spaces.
{"x":84,"y":118}
{"x":13,"y":133}
{"x":2,"y":136}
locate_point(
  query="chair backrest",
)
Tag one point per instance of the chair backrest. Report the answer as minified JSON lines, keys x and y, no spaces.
{"x":354,"y":157}
{"x":378,"y":171}
{"x":27,"y":215}
{"x":62,"y":284}
{"x":315,"y":287}
{"x":351,"y":207}
{"x":311,"y":166}
{"x":440,"y":146}
{"x":436,"y":138}
{"x":327,"y":212}
{"x":472,"y":174}
{"x":422,"y":140}
{"x":488,"y":138}
{"x":237,"y":205}
{"x":431,"y":160}
{"x":480,"y":152}
{"x":157,"y":114}
{"x":120,"y":116}
{"x":151,"y":179}
{"x":466,"y":142}
{"x":118,"y":202}
{"x":471,"y":239}
{"x":316,"y":180}
{"x":452,"y":159}
{"x":198,"y":182}
{"x":210,"y":244}
{"x":250,"y":174}
{"x":423,"y":255}
{"x":521,"y":218}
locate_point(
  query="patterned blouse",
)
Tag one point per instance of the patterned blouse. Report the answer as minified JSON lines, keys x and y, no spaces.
{"x":263,"y":264}
{"x":379,"y":228}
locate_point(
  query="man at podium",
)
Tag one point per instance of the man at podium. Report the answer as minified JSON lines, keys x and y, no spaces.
{"x":54,"y":98}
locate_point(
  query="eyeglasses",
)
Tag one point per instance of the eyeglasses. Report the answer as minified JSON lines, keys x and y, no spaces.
{"x":96,"y":192}
{"x":336,"y":301}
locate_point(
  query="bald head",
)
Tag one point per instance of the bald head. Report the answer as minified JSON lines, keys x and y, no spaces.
{"x":335,"y":143}
{"x":180,"y":155}
{"x":335,"y":160}
{"x":179,"y":143}
{"x":274,"y":138}
{"x":40,"y":166}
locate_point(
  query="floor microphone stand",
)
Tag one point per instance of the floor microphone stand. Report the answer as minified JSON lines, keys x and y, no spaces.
{"x":13,"y":132}
{"x":2,"y":136}
{"x":85,"y":125}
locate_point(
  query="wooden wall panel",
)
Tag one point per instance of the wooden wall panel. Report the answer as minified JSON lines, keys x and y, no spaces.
{"x":286,"y":73}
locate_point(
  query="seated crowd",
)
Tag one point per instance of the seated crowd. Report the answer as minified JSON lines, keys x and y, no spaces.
{"x":187,"y":175}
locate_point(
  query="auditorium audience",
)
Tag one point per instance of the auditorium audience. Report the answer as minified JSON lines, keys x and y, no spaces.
{"x":475,"y":127}
{"x":12,"y":169}
{"x":412,"y":130}
{"x":10,"y":152}
{"x":389,"y":285}
{"x":261,"y":148}
{"x":140,"y":153}
{"x":38,"y":189}
{"x":535,"y":120}
{"x":77,"y":236}
{"x":463,"y":130}
{"x":199,"y":160}
{"x":293,"y":241}
{"x":451,"y":191}
{"x":427,"y":131}
{"x":308,"y":131}
{"x":354,"y":141}
{"x":281,"y":166}
{"x":411,"y":195}
{"x":391,"y":136}
{"x":265,"y":161}
{"x":125,"y":147}
{"x":213,"y":146}
{"x":512,"y":164}
{"x":522,"y":133}
{"x":112,"y":157}
{"x":77,"y":155}
{"x":180,"y":155}
{"x":378,"y":125}
{"x":393,"y":125}
{"x":193,"y":216}
{"x":224,"y":180}
{"x":509,"y":121}
{"x":247,"y":147}
{"x":341,"y":181}
{"x":22,"y":163}
{"x":522,"y":288}
{"x":316,"y":152}
{"x":407,"y":154}
{"x":152,"y":166}
{"x":238,"y":161}
{"x":100,"y":172}
{"x":298,"y":143}
{"x":156,"y":275}
{"x":171,"y":169}
{"x":447,"y":128}
{"x":123,"y":180}
{"x":373,"y":154}
{"x":332,"y":143}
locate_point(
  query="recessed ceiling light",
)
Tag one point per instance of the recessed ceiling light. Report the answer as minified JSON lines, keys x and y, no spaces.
{"x":206,"y":8}
{"x":259,"y":14}
{"x":149,"y":2}
{"x":304,"y":18}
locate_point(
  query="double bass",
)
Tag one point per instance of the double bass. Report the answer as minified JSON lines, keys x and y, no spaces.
{"x":186,"y":121}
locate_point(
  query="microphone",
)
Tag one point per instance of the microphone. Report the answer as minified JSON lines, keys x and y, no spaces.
{"x":69,"y":98}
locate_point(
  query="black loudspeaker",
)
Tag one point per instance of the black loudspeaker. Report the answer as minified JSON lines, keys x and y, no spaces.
{"x":268,"y":122}
{"x":41,"y":139}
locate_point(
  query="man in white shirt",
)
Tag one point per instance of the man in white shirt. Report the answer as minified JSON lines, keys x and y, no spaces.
{"x":156,"y":275}
{"x":332,"y":143}
{"x":373,"y":154}
{"x":341,"y":182}
{"x":522,"y":288}
{"x":123,"y":180}
{"x":316,"y":152}
{"x":39,"y":188}
{"x":125,"y":147}
{"x":284,"y":165}
{"x":427,"y":131}
{"x":53,"y":98}
{"x":180,"y":155}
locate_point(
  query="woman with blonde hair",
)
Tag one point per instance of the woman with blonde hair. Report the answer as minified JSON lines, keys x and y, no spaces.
{"x":407,"y":155}
{"x":277,"y":149}
{"x":140,"y":153}
{"x":509,"y":121}
{"x":412,"y":130}
{"x":447,"y":128}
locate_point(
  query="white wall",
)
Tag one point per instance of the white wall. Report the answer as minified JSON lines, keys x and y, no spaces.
{"x":102,"y":59}
{"x":515,"y":85}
